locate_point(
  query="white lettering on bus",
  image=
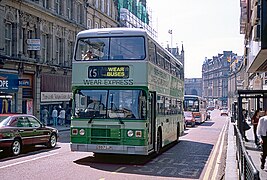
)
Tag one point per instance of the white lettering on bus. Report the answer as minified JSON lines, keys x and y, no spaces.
{"x":122,"y":82}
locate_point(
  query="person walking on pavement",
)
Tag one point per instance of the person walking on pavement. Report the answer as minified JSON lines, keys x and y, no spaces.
{"x":254,"y":120}
{"x":262,"y":135}
{"x":245,"y":125}
{"x":62,"y":115}
{"x":45,"y":115}
{"x":54,"y":116}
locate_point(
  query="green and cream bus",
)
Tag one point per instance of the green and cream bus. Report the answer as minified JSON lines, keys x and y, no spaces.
{"x":127,"y":93}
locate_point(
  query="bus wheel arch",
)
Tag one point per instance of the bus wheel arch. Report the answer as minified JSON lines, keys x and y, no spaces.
{"x":159,"y":140}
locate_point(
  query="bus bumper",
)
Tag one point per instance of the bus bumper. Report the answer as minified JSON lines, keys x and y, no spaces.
{"x":113,"y":149}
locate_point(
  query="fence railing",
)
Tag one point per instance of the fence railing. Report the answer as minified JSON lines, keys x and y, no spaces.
{"x":246,"y":167}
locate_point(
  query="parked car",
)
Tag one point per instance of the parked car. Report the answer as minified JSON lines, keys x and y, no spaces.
{"x":224,"y":111}
{"x":189,"y":119}
{"x":19,"y":130}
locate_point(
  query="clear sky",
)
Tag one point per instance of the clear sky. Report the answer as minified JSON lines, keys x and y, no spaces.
{"x":206,"y":28}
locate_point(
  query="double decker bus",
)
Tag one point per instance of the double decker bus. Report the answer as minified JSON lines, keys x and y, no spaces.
{"x":197,"y":105}
{"x":127,"y":93}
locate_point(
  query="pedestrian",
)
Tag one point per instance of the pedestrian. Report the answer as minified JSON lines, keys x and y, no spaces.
{"x":62,"y":116}
{"x":54,"y":116}
{"x":244,"y":125}
{"x":45,"y":115}
{"x":262,"y":135}
{"x":254,"y":120}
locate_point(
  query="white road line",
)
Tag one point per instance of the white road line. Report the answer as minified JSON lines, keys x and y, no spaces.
{"x":21,"y":162}
{"x":216,"y":169}
{"x":211,"y":160}
{"x":118,"y":170}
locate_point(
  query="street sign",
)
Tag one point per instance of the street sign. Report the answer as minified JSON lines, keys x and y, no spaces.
{"x":34,"y":44}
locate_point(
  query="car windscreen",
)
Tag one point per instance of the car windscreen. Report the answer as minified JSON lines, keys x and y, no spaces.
{"x":4,"y":120}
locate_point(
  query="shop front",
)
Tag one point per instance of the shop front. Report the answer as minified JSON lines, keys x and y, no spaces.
{"x":58,"y":100}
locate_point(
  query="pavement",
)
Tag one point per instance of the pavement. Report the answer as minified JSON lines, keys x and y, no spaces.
{"x":254,"y":153}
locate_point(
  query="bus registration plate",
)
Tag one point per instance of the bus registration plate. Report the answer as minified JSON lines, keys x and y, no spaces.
{"x":103,"y":147}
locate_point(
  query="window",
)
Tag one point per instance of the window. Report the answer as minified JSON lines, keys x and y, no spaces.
{"x":89,"y":23}
{"x":96,"y":25}
{"x":46,"y":4}
{"x":33,"y":122}
{"x":70,"y":54}
{"x":59,"y":51}
{"x":103,"y":5}
{"x":96,"y":4}
{"x":58,"y":6}
{"x":44,"y":45}
{"x":8,"y":39}
{"x":115,"y":48}
{"x":126,"y":104}
{"x":152,"y":52}
{"x":108,"y":7}
{"x":160,"y":104}
{"x":69,"y":8}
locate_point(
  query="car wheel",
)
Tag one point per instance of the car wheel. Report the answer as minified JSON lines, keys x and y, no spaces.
{"x":16,"y":147}
{"x":52,"y":141}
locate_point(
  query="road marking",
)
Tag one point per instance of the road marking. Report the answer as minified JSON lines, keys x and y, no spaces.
{"x":21,"y":162}
{"x":210,"y":164}
{"x":216,"y":169}
{"x":118,"y":170}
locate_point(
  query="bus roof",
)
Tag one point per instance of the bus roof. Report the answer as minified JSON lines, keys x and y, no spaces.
{"x":111,"y":32}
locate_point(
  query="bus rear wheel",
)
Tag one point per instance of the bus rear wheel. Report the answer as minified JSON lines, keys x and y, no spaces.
{"x":159,"y":142}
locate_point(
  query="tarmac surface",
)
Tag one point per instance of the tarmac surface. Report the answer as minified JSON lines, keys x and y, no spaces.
{"x":231,"y":171}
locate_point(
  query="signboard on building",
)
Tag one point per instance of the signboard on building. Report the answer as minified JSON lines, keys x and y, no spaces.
{"x":55,"y":96}
{"x":257,"y":83}
{"x":34,"y":44}
{"x":8,"y":82}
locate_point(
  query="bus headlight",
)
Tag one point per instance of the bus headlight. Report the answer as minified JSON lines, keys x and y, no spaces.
{"x":81,"y":132}
{"x":130,"y":133}
{"x":138,"y":133}
{"x":74,"y":131}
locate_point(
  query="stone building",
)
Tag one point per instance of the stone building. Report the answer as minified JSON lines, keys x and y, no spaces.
{"x":215,"y":73}
{"x":193,"y":86}
{"x":36,"y":49}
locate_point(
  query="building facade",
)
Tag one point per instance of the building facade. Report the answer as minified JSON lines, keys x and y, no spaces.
{"x":36,"y":49}
{"x":215,"y":73}
{"x":193,"y":86}
{"x":253,"y":24}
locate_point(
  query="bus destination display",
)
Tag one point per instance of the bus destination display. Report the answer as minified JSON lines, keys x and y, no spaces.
{"x":108,"y":72}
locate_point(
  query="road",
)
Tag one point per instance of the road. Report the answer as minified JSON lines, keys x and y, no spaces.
{"x":200,"y":154}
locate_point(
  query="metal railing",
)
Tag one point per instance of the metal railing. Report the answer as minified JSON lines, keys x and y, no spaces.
{"x":246,"y":167}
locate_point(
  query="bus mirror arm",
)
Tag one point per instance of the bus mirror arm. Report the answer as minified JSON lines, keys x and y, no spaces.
{"x":121,"y":122}
{"x":91,"y":119}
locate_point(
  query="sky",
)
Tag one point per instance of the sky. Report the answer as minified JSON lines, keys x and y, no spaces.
{"x":206,"y":28}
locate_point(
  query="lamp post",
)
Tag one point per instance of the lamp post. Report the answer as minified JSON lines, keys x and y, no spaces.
{"x":170,"y":32}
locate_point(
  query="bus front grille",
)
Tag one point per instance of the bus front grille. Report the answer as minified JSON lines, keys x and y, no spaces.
{"x":106,"y":135}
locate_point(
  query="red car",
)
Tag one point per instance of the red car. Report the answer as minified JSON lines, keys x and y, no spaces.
{"x":18,"y":130}
{"x":189,"y":119}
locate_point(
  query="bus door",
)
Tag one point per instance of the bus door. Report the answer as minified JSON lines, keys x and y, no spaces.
{"x":152,"y":120}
